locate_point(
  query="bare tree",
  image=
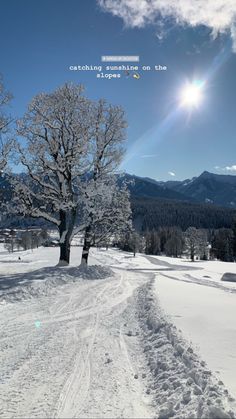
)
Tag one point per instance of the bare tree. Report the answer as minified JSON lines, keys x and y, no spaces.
{"x":107,"y":209}
{"x":195,"y":242}
{"x":132,"y":241}
{"x":108,"y":217}
{"x":43,"y":235}
{"x":136,"y":242}
{"x":72,"y":147}
{"x":56,"y":129}
{"x":175,"y":242}
{"x":26,"y":240}
{"x":10,"y":241}
{"x":152,"y":245}
{"x":6,"y":143}
{"x":203,"y":245}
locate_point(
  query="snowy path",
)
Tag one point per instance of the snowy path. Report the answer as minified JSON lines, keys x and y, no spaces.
{"x":77,"y":362}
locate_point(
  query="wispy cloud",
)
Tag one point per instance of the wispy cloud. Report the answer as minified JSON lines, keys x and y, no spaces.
{"x":218,"y":15}
{"x":231,"y":169}
{"x":148,"y":156}
{"x":171,"y":173}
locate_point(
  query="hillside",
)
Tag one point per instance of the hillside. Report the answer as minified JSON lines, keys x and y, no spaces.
{"x":182,"y":203}
{"x":149,"y":188}
{"x":151,"y":213}
{"x":208,"y":187}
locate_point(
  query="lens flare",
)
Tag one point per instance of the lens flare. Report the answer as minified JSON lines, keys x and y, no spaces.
{"x":191,"y":95}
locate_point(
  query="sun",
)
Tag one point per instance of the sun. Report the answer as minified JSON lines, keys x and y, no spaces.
{"x":191,"y":95}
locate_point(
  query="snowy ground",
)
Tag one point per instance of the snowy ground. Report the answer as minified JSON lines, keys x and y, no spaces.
{"x":97,"y":343}
{"x":204,"y":308}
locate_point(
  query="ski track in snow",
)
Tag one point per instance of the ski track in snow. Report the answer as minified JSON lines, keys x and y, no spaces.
{"x":76,"y":364}
{"x":99,"y":348}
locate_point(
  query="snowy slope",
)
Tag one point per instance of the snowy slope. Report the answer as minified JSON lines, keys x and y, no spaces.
{"x":96,"y":343}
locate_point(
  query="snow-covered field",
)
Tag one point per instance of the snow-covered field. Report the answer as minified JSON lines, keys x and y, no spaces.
{"x":204,"y":308}
{"x":105,"y":342}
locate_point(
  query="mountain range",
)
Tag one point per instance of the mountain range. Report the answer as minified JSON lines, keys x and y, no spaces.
{"x":206,"y":201}
{"x":208,"y":188}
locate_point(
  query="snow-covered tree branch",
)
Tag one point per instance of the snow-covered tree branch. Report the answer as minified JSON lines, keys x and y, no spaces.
{"x":106,"y":209}
{"x":105,"y":214}
{"x":6,"y":143}
{"x":72,"y":148}
{"x":57,"y":132}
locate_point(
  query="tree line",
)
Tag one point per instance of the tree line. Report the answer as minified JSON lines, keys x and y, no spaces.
{"x":152,"y":213}
{"x":194,"y":243}
{"x":25,"y":240}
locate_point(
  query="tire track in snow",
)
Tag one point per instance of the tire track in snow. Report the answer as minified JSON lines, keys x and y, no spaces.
{"x":77,"y":386}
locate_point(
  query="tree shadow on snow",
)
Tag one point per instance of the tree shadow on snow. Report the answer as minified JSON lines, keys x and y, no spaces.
{"x":53,"y":274}
{"x":13,"y":280}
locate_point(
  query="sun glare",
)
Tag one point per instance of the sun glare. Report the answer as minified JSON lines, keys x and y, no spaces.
{"x":191,"y":95}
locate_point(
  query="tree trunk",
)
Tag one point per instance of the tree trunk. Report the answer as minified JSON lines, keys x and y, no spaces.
{"x":64,"y":253}
{"x":66,"y":231}
{"x":85,"y":254}
{"x":86,"y":246}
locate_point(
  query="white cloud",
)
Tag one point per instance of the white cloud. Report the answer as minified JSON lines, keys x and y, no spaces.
{"x":148,"y":156}
{"x":171,"y":174}
{"x":218,"y":15}
{"x":231,"y":169}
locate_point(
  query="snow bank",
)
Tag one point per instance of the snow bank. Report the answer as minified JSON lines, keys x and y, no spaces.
{"x":45,"y":281}
{"x":182,"y":385}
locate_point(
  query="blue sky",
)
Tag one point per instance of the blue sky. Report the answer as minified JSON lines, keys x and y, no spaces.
{"x":39,"y":40}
